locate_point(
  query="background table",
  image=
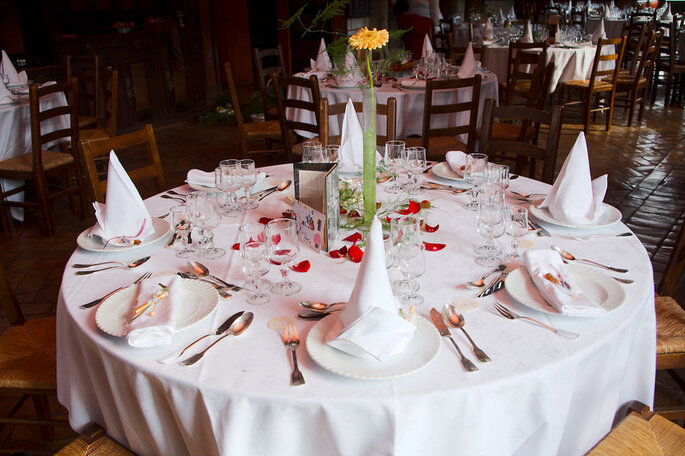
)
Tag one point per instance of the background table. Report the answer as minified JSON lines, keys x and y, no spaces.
{"x":612,"y":27}
{"x":541,"y":394}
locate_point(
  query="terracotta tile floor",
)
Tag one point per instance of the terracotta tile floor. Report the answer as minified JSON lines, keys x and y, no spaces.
{"x":646,"y":167}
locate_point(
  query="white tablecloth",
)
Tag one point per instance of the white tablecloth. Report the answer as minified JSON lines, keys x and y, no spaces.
{"x":410,"y":104}
{"x":15,"y":136}
{"x":540,"y":395}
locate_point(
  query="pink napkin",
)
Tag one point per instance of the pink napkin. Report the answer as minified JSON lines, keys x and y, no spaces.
{"x":7,"y":68}
{"x":527,"y":34}
{"x":427,"y":47}
{"x":468,"y":65}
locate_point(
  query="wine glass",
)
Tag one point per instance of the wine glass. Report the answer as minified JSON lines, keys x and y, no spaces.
{"x":406,"y":240}
{"x":498,"y":175}
{"x":312,"y":152}
{"x":517,"y":226}
{"x":475,"y":172}
{"x":415,"y":164}
{"x":181,"y":222}
{"x":205,"y":215}
{"x":254,"y":252}
{"x":491,"y":225}
{"x":283,"y":246}
{"x":249,"y":178}
{"x":228,"y":182}
{"x":415,"y":269}
{"x":395,"y":155}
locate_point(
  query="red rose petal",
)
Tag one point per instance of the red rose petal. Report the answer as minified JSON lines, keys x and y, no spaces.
{"x":265,"y":220}
{"x":287,"y":214}
{"x":429,"y":229}
{"x":378,"y":205}
{"x":354,"y":238}
{"x":343,"y":210}
{"x":236,"y":246}
{"x":276,"y":238}
{"x":274,"y":262}
{"x":302,"y":266}
{"x":413,"y":208}
{"x":354,"y":213}
{"x":341,"y":252}
{"x":355,"y":253}
{"x":431,"y":247}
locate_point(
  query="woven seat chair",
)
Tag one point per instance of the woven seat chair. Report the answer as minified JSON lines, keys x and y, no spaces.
{"x":86,"y":69}
{"x":94,"y":442}
{"x":669,"y":63}
{"x":107,"y":124}
{"x":289,"y":128}
{"x":523,"y":59}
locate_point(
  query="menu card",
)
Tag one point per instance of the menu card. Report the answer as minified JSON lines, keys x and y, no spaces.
{"x":316,"y":189}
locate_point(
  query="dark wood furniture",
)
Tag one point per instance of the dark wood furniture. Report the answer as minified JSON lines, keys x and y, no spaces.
{"x":86,"y":69}
{"x":388,"y":110}
{"x":289,"y":127}
{"x":268,"y":61}
{"x":107,"y":123}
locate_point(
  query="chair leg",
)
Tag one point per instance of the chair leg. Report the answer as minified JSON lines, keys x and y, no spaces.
{"x":610,"y":115}
{"x":40,"y":403}
{"x":586,"y":113}
{"x":4,"y":215}
{"x":45,"y":206}
{"x":669,"y":81}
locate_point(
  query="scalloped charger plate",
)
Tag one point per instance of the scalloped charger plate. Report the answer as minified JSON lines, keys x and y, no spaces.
{"x":611,"y":215}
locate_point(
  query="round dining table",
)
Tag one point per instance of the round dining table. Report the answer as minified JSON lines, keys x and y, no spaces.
{"x":410,"y":103}
{"x":541,"y":394}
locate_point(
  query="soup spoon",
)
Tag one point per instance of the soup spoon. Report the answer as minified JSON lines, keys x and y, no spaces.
{"x":320,"y":306}
{"x":279,"y":188}
{"x":569,"y":257}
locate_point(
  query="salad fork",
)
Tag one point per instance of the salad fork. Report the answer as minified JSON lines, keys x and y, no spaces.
{"x":291,"y":340}
{"x":510,"y":314}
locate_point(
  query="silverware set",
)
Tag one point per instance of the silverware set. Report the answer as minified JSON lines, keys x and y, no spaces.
{"x":117,"y":265}
{"x":498,"y":282}
{"x":434,"y":186}
{"x":445,"y":332}
{"x":147,"y":275}
{"x":510,"y":314}
{"x":236,"y":328}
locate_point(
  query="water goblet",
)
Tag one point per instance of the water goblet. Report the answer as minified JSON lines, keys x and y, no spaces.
{"x":405,"y":236}
{"x":415,"y":163}
{"x":395,"y":157}
{"x":228,"y":181}
{"x":497,"y":175}
{"x":491,"y":225}
{"x":332,"y":154}
{"x":517,"y":227}
{"x":254,"y":253}
{"x":312,"y":152}
{"x":205,"y":215}
{"x":249,"y":178}
{"x":283,"y":246}
{"x":182,"y":225}
{"x":475,"y":172}
{"x":415,"y":269}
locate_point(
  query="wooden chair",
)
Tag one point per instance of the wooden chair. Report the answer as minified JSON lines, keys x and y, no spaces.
{"x":107,"y":126}
{"x":94,"y":442}
{"x":597,"y":93}
{"x":27,"y":366}
{"x":578,"y":18}
{"x":642,"y":433}
{"x":42,"y":166}
{"x":87,"y":70}
{"x":443,"y":43}
{"x":636,"y":35}
{"x":268,"y":131}
{"x":268,"y":61}
{"x":636,"y":86}
{"x":522,"y":153}
{"x":282,"y":85}
{"x":524,"y":58}
{"x":388,"y":110}
{"x":92,"y":149}
{"x":670,"y":324}
{"x":643,"y":17}
{"x":668,"y":63}
{"x":438,"y":141}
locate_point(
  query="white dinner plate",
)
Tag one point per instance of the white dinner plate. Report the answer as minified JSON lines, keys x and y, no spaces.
{"x":197,"y":301}
{"x":443,"y":170}
{"x":95,"y":244}
{"x":202,"y":188}
{"x":420,"y":352}
{"x":611,"y":215}
{"x":597,"y":286}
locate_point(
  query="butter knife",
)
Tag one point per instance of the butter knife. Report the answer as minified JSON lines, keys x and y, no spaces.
{"x":445,"y":332}
{"x":541,"y":231}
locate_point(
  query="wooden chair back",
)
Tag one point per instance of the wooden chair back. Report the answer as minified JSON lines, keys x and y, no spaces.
{"x":432,"y":109}
{"x":111,"y":96}
{"x":668,"y":48}
{"x":635,"y":34}
{"x":9,"y":301}
{"x":282,"y":86}
{"x":99,"y":147}
{"x":675,"y":266}
{"x":388,"y":110}
{"x":610,"y":73}
{"x":443,"y":43}
{"x":578,"y":18}
{"x":267,"y":61}
{"x":523,"y":153}
{"x":87,"y":70}
{"x":639,"y":16}
{"x":524,"y":58}
{"x":235,"y":100}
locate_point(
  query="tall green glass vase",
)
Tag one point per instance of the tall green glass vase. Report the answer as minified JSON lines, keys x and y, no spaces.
{"x":369,"y":118}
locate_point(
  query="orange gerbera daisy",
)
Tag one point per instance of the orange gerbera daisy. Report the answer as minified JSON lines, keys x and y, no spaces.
{"x":369,"y":39}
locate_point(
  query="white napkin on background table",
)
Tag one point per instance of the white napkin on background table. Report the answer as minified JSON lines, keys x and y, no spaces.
{"x":322,"y":62}
{"x":574,"y":197}
{"x":512,"y":13}
{"x":5,"y":95}
{"x":600,"y":32}
{"x":351,"y":140}
{"x":468,"y":65}
{"x":7,"y":67}
{"x":667,"y":16}
{"x":488,"y":31}
{"x":456,"y":159}
{"x":158,"y":329}
{"x":540,"y":262}
{"x":612,"y":5}
{"x":501,"y":19}
{"x":527,"y":34}
{"x":427,"y":47}
{"x":124,"y":213}
{"x":352,"y":74}
{"x":370,"y":327}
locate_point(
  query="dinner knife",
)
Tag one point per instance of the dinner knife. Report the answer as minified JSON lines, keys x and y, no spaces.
{"x":541,"y":231}
{"x":445,"y":332}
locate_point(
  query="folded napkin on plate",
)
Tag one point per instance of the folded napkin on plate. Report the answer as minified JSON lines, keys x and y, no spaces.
{"x":468,"y":65}
{"x":488,"y":31}
{"x":153,"y":329}
{"x":551,"y":3}
{"x":574,"y":197}
{"x":612,"y":5}
{"x":501,"y":19}
{"x":667,"y":16}
{"x":555,"y":284}
{"x":11,"y":72}
{"x":351,"y":140}
{"x":527,"y":34}
{"x":427,"y":47}
{"x":124,"y":214}
{"x":322,"y":62}
{"x":607,"y":11}
{"x":5,"y":95}
{"x":352,"y":74}
{"x":457,"y":161}
{"x":570,"y":5}
{"x":512,"y":13}
{"x":199,"y":178}
{"x":599,"y":33}
{"x":370,"y":327}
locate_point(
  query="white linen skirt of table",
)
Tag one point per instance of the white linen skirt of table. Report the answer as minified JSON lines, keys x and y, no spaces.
{"x":410,"y":104}
{"x":15,"y":137}
{"x":540,"y":395}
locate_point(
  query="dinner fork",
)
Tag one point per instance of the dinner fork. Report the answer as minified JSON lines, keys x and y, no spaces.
{"x":495,"y":284}
{"x":510,"y":314}
{"x":291,"y":340}
{"x":147,"y":275}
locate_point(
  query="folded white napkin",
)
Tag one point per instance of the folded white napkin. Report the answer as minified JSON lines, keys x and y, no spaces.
{"x":150,"y":330}
{"x":351,"y":140}
{"x":488,"y":31}
{"x":501,"y":19}
{"x":427,"y":47}
{"x":551,"y":3}
{"x":574,"y":197}
{"x":527,"y":34}
{"x":600,"y":32}
{"x":607,"y":11}
{"x":562,"y":294}
{"x":512,"y":13}
{"x":612,"y":5}
{"x":322,"y":62}
{"x":589,"y":4}
{"x":570,"y":5}
{"x":667,"y":16}
{"x":468,"y":65}
{"x":457,"y":160}
{"x":370,"y":327}
{"x":124,"y":214}
{"x":199,"y":178}
{"x":352,"y":75}
{"x":7,"y":67}
{"x":5,"y":95}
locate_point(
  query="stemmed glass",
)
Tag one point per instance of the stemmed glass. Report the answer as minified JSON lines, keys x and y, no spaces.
{"x":253,"y":250}
{"x":406,"y":240}
{"x":312,"y":152}
{"x":283,"y":246}
{"x":249,"y":178}
{"x":205,"y":215}
{"x":181,"y":222}
{"x":227,"y":181}
{"x":498,"y":175}
{"x":475,"y":172}
{"x":415,"y":269}
{"x":517,"y":226}
{"x":415,"y":164}
{"x":395,"y":156}
{"x":491,"y":225}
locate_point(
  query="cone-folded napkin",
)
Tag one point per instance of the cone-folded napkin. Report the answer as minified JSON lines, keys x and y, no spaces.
{"x":468,"y":65}
{"x":7,"y":67}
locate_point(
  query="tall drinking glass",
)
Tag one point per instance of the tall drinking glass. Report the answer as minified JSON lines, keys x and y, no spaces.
{"x":249,"y":178}
{"x":312,"y":152}
{"x":283,"y":246}
{"x":475,"y":172}
{"x":182,"y":224}
{"x":395,"y":156}
{"x":254,"y":252}
{"x":406,"y":240}
{"x":206,"y":215}
{"x":415,"y":164}
{"x":228,"y":181}
{"x":517,"y":227}
{"x":491,"y":225}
